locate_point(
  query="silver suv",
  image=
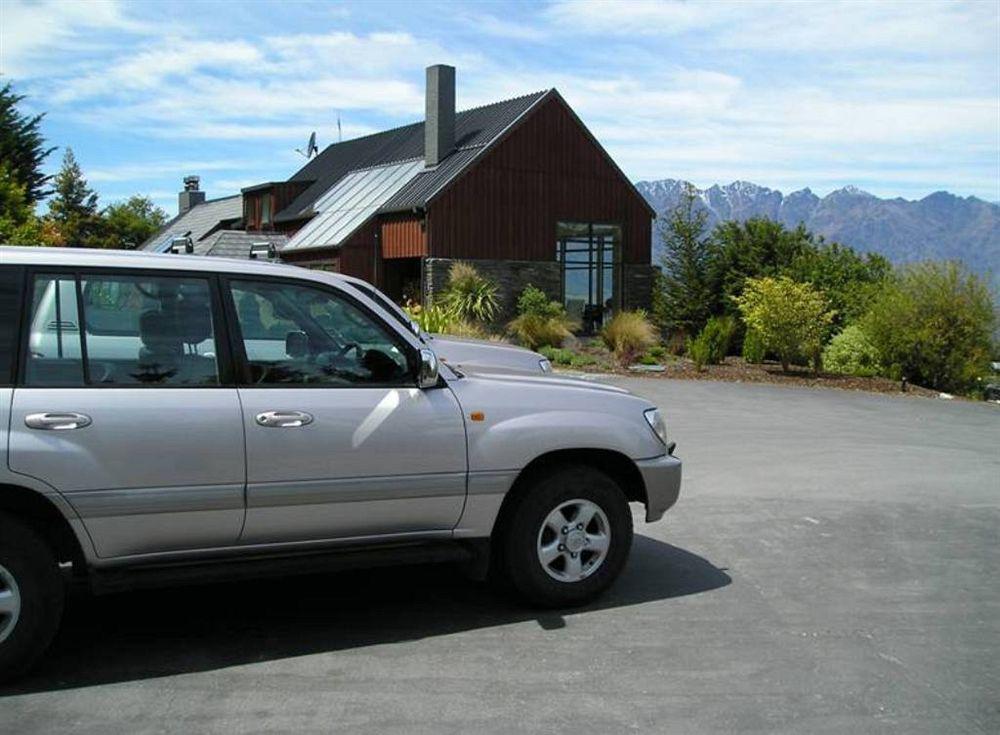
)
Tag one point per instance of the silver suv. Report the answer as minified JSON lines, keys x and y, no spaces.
{"x":171,"y":419}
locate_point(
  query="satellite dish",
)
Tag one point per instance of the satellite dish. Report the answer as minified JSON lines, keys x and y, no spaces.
{"x":311,"y":148}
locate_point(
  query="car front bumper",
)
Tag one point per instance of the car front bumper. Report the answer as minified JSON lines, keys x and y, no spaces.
{"x":662,"y":476}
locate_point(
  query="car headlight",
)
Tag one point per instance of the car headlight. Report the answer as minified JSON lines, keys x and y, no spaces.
{"x":545,"y":365}
{"x":655,"y":420}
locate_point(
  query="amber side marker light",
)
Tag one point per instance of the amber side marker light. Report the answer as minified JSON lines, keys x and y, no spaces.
{"x":477,"y":416}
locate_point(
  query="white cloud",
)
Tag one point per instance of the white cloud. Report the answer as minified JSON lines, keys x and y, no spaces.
{"x":158,"y":168}
{"x":696,"y":89}
{"x":637,"y":16}
{"x":787,"y":26}
{"x":172,"y":59}
{"x":31,"y":32}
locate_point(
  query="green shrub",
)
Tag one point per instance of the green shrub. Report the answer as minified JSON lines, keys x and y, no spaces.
{"x":628,"y":335}
{"x":933,"y":325}
{"x":648,"y":359}
{"x":711,"y":346}
{"x":431,"y":319}
{"x":467,"y":329}
{"x":558,"y":355}
{"x":533,"y":300}
{"x":790,"y":317}
{"x":535,"y":331}
{"x":470,"y":296}
{"x":582,"y":360}
{"x":540,"y":322}
{"x":698,"y":350}
{"x":851,"y":352}
{"x":753,"y":347}
{"x":657,"y":351}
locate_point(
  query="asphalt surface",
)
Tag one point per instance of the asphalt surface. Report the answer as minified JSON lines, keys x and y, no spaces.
{"x":831,"y":567}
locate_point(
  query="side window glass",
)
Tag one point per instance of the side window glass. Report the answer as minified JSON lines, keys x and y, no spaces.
{"x":54,"y":354}
{"x":143,"y":330}
{"x":303,"y":335}
{"x":10,"y":308}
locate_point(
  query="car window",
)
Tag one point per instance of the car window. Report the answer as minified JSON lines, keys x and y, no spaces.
{"x":10,"y":307}
{"x":137,"y":330}
{"x":54,"y":353}
{"x":304,"y":335}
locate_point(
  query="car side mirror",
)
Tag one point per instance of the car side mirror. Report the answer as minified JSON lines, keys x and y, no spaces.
{"x":297,"y":344}
{"x":428,"y":377}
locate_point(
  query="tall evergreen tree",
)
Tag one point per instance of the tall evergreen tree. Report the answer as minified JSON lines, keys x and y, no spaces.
{"x":22,"y":146}
{"x":685,"y":300}
{"x":73,"y":207}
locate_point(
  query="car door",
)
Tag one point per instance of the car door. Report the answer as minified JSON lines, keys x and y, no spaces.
{"x":340,"y":441}
{"x":126,"y":405}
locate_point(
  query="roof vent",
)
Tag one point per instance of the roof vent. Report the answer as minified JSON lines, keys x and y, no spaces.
{"x":192,"y":196}
{"x":439,"y":126}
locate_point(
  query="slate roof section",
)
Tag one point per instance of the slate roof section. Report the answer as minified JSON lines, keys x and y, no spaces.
{"x":475,"y":129}
{"x":237,"y":243}
{"x":200,"y":221}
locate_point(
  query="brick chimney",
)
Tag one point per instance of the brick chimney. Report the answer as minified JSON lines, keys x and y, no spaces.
{"x":439,"y":126}
{"x":192,"y":196}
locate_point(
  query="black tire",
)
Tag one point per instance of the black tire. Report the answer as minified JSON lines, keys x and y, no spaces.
{"x":517,"y":546}
{"x":26,"y":557}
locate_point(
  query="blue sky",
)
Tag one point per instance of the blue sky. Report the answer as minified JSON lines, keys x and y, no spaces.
{"x":898,"y":98}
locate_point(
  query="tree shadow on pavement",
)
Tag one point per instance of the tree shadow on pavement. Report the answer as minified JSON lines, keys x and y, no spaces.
{"x":141,"y":635}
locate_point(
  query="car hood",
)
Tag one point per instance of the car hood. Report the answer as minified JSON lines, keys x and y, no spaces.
{"x":482,"y":356}
{"x":504,"y":380}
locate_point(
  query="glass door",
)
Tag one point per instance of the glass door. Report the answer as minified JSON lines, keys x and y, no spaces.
{"x":590,"y":259}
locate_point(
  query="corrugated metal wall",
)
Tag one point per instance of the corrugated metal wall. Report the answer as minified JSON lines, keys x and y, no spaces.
{"x":403,"y":237}
{"x":548,"y":170}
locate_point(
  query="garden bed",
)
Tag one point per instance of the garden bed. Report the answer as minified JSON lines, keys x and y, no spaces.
{"x":736,"y":370}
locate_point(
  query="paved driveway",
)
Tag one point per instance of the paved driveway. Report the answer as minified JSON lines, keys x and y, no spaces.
{"x":832,"y":566}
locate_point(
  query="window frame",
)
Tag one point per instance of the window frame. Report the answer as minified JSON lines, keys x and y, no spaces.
{"x":224,"y":358}
{"x":8,"y":378}
{"x":596,"y":263}
{"x":237,"y":348}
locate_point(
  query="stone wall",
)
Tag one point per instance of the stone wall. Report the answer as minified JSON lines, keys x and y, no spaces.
{"x":511,"y":276}
{"x":639,"y":286}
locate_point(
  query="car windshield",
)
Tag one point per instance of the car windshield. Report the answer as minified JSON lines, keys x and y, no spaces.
{"x":387,"y":305}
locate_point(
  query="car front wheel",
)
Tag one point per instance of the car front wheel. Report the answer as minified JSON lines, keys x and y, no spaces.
{"x":567,"y":537}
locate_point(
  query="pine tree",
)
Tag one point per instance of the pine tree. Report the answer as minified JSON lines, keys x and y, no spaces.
{"x":22,"y":147}
{"x":685,"y":300}
{"x":73,"y":208}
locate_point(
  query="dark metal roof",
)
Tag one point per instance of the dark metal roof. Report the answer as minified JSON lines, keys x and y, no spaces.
{"x":474,"y":130}
{"x":419,"y":190}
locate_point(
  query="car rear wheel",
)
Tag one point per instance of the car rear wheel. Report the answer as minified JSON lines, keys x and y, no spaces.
{"x":567,"y":538}
{"x":31,"y":597}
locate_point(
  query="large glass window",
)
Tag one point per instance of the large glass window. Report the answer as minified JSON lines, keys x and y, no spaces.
{"x":591,"y":263}
{"x":303,"y":335}
{"x":137,"y":330}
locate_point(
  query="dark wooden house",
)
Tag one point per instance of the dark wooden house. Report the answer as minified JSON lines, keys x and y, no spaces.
{"x":519,"y":188}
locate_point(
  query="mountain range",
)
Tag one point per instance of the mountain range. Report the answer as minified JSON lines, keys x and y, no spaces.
{"x":939,"y":226}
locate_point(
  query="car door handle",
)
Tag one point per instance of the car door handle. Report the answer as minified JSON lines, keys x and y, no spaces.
{"x":283,"y":419}
{"x":61,"y":421}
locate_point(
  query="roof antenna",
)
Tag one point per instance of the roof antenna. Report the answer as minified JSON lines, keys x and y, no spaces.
{"x":311,"y":148}
{"x":340,"y":133}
